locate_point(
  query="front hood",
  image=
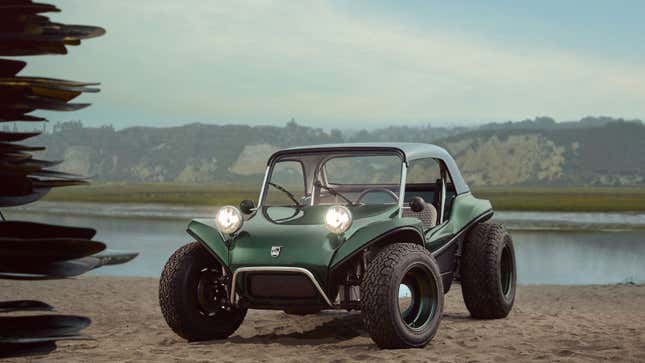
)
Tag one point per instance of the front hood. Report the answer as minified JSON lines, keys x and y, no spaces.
{"x":315,"y":215}
{"x":301,"y":235}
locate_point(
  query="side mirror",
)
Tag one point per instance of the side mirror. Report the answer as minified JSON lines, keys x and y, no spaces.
{"x":417,"y":204}
{"x":247,"y":206}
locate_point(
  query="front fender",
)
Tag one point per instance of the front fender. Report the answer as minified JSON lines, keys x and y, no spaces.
{"x":205,"y":232}
{"x":372,"y":232}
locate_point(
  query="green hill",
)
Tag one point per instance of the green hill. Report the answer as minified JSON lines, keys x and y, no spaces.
{"x":593,"y":151}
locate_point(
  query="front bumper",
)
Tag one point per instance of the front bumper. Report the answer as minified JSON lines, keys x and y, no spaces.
{"x":277,"y":270}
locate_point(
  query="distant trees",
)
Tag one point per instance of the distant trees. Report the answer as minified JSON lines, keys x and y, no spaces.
{"x":67,"y":126}
{"x":189,"y":151}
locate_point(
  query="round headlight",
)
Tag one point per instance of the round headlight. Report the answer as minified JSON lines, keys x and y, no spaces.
{"x":338,"y":219}
{"x":228,"y":219}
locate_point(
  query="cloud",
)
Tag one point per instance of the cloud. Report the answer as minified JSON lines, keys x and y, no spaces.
{"x":266,"y":61}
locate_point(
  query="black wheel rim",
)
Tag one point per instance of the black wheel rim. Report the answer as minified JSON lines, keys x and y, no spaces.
{"x":421,"y":308}
{"x":211,"y":293}
{"x":506,"y":270}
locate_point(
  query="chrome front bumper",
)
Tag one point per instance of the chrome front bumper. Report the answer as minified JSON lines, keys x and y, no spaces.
{"x":307,"y":273}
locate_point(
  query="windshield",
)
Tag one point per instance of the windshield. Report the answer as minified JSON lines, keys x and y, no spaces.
{"x":334,"y":178}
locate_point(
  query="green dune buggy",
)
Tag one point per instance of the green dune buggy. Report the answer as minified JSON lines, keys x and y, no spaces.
{"x":380,"y":228}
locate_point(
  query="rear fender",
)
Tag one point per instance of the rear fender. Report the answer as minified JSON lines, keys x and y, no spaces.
{"x":208,"y":236}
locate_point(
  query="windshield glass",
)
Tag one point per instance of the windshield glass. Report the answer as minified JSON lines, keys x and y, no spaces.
{"x":287,"y":184}
{"x":334,"y":178}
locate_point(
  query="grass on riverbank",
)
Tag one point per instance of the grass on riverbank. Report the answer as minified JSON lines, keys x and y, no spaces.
{"x":574,"y":199}
{"x":566,"y":199}
{"x":163,"y":193}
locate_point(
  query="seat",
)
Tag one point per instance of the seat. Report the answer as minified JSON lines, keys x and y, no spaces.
{"x":428,"y":216}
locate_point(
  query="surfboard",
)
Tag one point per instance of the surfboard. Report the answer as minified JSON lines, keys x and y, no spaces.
{"x":23,"y":229}
{"x":24,"y":305}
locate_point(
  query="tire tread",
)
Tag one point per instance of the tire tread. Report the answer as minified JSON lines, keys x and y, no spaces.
{"x":171,"y":296}
{"x":479,"y":272}
{"x":377,"y":314}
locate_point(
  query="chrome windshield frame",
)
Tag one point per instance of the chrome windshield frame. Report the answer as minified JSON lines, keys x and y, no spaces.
{"x":264,"y":186}
{"x":310,"y":175}
{"x":442,"y":206}
{"x":404,"y":173}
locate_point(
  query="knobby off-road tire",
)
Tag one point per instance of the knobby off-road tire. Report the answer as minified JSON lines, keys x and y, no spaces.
{"x":396,"y":264}
{"x":179,"y":301}
{"x":488,"y":273}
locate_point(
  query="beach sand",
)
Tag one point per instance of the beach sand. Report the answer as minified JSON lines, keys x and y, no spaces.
{"x":548,"y":323}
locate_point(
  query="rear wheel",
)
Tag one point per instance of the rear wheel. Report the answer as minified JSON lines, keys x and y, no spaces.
{"x":402,"y":297}
{"x":193,"y":296}
{"x":488,"y":272}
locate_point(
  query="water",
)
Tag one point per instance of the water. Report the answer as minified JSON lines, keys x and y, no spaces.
{"x":580,"y":257}
{"x":154,"y":239}
{"x":569,"y":220}
{"x":551,"y":248}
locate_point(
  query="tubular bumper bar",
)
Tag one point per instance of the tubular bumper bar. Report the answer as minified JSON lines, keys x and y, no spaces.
{"x":233,"y":299}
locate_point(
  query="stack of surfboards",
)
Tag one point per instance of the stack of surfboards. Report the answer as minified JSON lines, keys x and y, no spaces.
{"x":32,"y":251}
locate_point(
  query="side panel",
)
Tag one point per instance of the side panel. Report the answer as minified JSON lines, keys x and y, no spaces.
{"x":465,"y":209}
{"x":445,"y":241}
{"x":365,"y":235}
{"x":206,"y":233}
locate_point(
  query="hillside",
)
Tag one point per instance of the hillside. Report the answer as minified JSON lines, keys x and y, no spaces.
{"x":613,"y":154}
{"x":593,"y":151}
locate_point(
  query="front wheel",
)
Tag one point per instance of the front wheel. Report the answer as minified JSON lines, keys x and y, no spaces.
{"x":488,"y":272}
{"x":402,"y":297}
{"x":193,"y":296}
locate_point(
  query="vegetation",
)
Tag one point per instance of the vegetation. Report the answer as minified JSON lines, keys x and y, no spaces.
{"x":593,"y":151}
{"x":575,"y":199}
{"x":566,"y":199}
{"x":163,"y":193}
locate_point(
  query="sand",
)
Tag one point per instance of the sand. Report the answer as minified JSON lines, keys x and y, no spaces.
{"x":548,"y":323}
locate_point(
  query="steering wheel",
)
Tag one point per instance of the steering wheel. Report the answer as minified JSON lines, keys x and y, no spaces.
{"x":374,"y":190}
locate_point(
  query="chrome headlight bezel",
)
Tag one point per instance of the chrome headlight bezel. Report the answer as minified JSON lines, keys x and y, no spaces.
{"x":338,"y":219}
{"x":228,"y":219}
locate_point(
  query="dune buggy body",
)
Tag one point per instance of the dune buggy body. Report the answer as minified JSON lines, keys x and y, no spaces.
{"x":283,"y":256}
{"x":306,"y":247}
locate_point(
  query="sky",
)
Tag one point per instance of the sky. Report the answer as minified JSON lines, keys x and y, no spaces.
{"x":352,"y":64}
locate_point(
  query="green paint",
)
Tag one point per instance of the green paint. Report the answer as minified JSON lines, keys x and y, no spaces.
{"x":305,"y":242}
{"x":465,"y":208}
{"x":369,"y":232}
{"x":207,"y":233}
{"x":302,"y":236}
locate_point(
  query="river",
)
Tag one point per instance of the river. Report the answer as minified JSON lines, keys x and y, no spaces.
{"x":551,"y":248}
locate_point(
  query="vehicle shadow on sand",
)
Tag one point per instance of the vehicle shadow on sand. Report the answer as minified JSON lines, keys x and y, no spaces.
{"x":341,"y":328}
{"x":457,"y":317}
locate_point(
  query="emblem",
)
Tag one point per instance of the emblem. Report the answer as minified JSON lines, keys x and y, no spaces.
{"x":275,"y":251}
